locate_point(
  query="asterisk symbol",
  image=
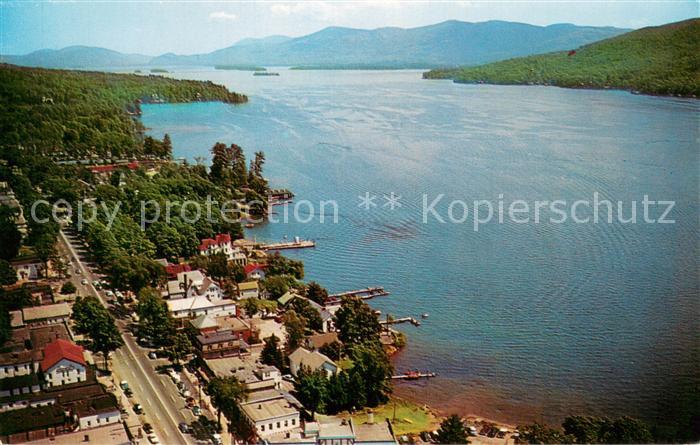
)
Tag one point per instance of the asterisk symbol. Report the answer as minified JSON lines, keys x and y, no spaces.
{"x":392,"y":201}
{"x":367,"y":201}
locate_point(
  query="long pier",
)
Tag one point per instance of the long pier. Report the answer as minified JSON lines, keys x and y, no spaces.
{"x":414,"y":375}
{"x":411,"y":320}
{"x":363,"y":294}
{"x":296,"y":244}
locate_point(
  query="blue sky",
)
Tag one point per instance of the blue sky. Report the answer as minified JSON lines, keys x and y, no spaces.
{"x":187,"y":27}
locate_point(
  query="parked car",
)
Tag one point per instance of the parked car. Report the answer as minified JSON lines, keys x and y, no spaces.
{"x":186,"y":393}
{"x":288,"y":377}
{"x":197,"y":411}
{"x":147,"y":428}
{"x":174,"y":375}
{"x":97,"y":284}
{"x":184,"y":428}
{"x":138,"y":409}
{"x":124,"y":385}
{"x":84,"y":281}
{"x":153,"y":439}
{"x":190,"y":402}
{"x":216,"y":439}
{"x":152,"y":355}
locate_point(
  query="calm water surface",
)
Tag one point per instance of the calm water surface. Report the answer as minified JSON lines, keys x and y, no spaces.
{"x":527,"y":321}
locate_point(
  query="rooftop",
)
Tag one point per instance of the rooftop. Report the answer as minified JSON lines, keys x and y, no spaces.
{"x":311,"y":359}
{"x":59,"y":350}
{"x":42,"y":312}
{"x":204,"y":321}
{"x":27,"y":419}
{"x":319,"y":340}
{"x":270,"y":409}
{"x":193,"y":303}
{"x":373,"y":432}
{"x":248,"y":285}
{"x":43,"y":335}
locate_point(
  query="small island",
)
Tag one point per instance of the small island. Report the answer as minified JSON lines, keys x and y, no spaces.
{"x":240,"y":68}
{"x":265,"y":73}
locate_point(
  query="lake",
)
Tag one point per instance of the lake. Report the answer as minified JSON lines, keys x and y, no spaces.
{"x":527,"y":321}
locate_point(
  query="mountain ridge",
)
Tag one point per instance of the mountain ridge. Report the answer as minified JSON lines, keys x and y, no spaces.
{"x":448,"y":43}
{"x":659,"y":60}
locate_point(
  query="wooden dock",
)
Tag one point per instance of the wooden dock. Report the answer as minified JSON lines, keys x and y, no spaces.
{"x":296,"y":244}
{"x":411,"y":320}
{"x":414,"y":375}
{"x":363,"y":294}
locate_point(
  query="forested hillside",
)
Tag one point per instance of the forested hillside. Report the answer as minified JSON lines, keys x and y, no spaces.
{"x":658,"y":60}
{"x":78,"y":113}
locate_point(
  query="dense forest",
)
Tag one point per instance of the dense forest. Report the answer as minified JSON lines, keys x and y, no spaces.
{"x":76,"y":114}
{"x":660,"y":60}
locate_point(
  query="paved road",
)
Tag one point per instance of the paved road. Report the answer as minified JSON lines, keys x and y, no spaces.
{"x":164,"y":407}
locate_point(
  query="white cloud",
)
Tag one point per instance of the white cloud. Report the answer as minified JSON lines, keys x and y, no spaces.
{"x":222,"y":16}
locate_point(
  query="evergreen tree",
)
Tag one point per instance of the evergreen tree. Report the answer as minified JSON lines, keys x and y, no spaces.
{"x":452,"y":431}
{"x":271,"y":353}
{"x":8,"y":274}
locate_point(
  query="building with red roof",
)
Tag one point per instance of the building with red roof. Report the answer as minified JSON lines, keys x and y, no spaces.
{"x":254,"y":271}
{"x":222,"y":244}
{"x":173,"y":269}
{"x":63,"y":363}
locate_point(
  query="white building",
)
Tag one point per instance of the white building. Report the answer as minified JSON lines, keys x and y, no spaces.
{"x":194,"y":283}
{"x":201,"y":305}
{"x":276,"y":414}
{"x":63,"y":363}
{"x":248,"y":289}
{"x":222,"y":244}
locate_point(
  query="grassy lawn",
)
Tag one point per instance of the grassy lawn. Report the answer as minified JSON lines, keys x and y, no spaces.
{"x":410,"y":417}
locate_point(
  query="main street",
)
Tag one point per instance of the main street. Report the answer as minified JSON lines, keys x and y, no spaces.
{"x":164,"y":407}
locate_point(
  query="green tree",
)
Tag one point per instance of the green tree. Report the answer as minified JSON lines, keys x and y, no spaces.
{"x":45,"y":249}
{"x":181,"y":346}
{"x":280,"y":265}
{"x":537,"y":433}
{"x":68,"y":288}
{"x":338,"y":396}
{"x":218,"y":267}
{"x":312,"y":389}
{"x":332,"y":350}
{"x":155,"y":321}
{"x":226,"y":393}
{"x":373,"y":365}
{"x":356,"y":322}
{"x":305,"y":310}
{"x":277,"y":285}
{"x":8,"y":274}
{"x":315,"y":292}
{"x":93,"y":320}
{"x":135,"y":273}
{"x":452,"y":430}
{"x":296,"y":329}
{"x":271,"y":353}
{"x":9,"y":234}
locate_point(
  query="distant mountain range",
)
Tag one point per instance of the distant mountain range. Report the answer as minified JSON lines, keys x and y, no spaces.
{"x":449,"y":43}
{"x":660,"y":60}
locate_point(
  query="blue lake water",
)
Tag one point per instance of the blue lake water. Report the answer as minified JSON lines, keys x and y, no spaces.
{"x":527,"y":321}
